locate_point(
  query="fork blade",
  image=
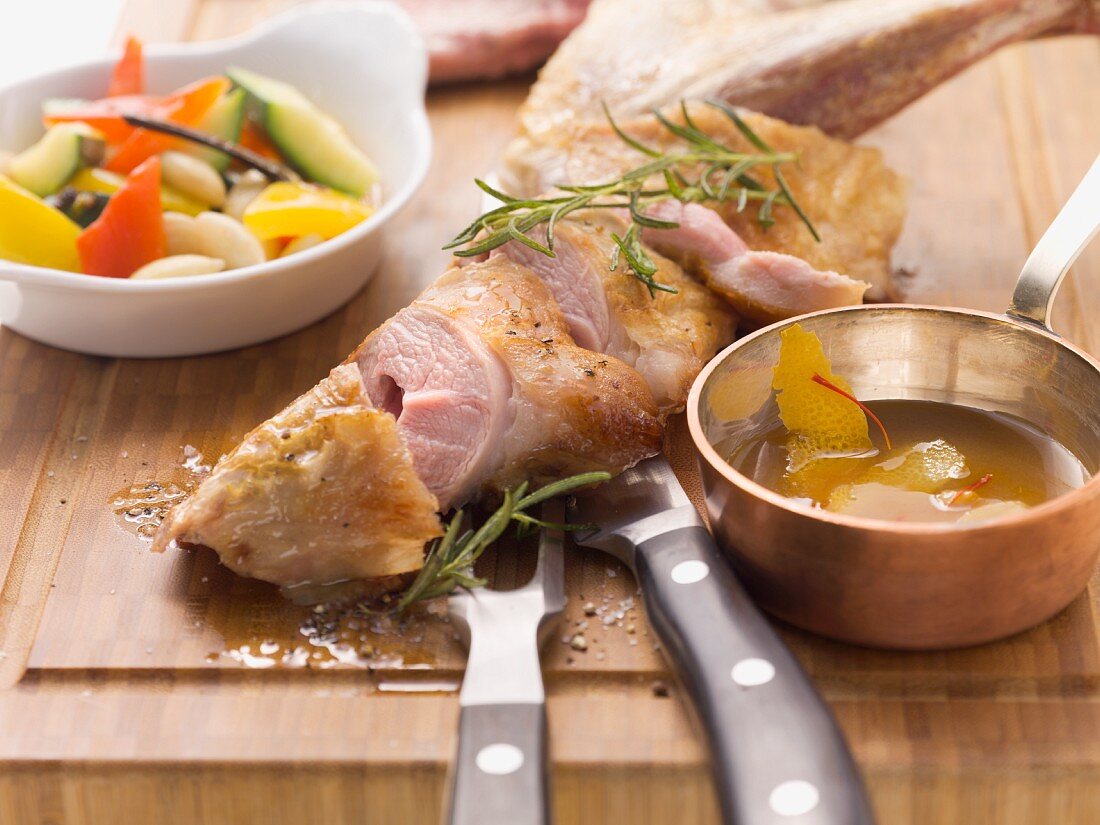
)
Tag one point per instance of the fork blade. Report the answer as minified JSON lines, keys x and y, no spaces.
{"x":550,"y":573}
{"x":645,"y":490}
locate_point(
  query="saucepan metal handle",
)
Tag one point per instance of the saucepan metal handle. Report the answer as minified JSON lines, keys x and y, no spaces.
{"x":1074,"y":226}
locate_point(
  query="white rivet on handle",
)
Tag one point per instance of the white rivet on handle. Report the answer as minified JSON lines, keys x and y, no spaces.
{"x":794,"y":798}
{"x":689,"y":572}
{"x":499,"y":759}
{"x":753,"y":672}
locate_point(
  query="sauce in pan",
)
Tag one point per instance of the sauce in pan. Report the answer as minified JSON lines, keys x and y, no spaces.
{"x":920,"y":461}
{"x":946,"y":463}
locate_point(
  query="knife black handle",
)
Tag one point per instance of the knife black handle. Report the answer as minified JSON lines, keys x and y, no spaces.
{"x":777,"y":754}
{"x":500,"y":771}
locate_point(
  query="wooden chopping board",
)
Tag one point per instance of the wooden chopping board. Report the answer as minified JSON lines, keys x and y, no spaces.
{"x":134,"y":687}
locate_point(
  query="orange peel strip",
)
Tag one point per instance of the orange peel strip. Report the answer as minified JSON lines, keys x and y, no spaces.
{"x":829,"y":385}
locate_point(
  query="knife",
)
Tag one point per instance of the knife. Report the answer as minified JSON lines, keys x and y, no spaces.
{"x":777,"y":754}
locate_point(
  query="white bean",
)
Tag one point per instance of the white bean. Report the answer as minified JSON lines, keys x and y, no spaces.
{"x":302,"y":243}
{"x":243,"y":192}
{"x":181,"y":234}
{"x":222,"y":237}
{"x":214,"y":235}
{"x":193,"y":177}
{"x":178,"y":266}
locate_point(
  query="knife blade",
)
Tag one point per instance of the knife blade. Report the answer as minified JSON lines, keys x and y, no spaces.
{"x":777,"y":755}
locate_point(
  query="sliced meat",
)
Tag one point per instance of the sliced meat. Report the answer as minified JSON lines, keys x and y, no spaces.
{"x":322,"y":493}
{"x":842,"y":66}
{"x":487,"y":39}
{"x":762,"y":286}
{"x":449,"y":391}
{"x":490,"y":389}
{"x":856,"y":203}
{"x":667,"y":337}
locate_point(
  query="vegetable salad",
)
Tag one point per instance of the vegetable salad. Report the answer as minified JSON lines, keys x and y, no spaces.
{"x":226,"y":172}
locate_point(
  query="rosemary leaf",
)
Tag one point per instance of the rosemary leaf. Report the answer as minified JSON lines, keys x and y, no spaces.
{"x":764,"y":214}
{"x":742,"y":199}
{"x":516,"y":234}
{"x":795,"y":205}
{"x":493,"y":192}
{"x":450,"y":559}
{"x":625,"y":138}
{"x":561,"y":487}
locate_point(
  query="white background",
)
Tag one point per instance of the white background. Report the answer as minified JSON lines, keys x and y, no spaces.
{"x":36,"y":35}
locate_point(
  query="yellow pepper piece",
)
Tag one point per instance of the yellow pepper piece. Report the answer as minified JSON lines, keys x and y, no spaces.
{"x":287,"y":209}
{"x":91,"y":179}
{"x":821,"y":422}
{"x":33,"y":232}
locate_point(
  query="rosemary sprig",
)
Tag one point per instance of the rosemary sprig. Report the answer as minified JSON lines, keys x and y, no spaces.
{"x":704,"y":170}
{"x":450,"y":560}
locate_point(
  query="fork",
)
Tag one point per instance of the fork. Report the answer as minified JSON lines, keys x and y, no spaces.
{"x":500,"y":772}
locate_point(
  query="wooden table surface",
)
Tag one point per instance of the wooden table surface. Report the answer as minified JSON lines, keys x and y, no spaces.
{"x":125,"y":690}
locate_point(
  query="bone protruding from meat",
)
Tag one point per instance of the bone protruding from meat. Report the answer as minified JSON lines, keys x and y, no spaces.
{"x":843,"y":66}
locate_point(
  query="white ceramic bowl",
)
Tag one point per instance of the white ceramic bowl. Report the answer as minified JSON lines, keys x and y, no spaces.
{"x":364,"y":63}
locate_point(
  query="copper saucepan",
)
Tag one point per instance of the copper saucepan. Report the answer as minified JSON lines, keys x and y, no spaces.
{"x":907,"y":585}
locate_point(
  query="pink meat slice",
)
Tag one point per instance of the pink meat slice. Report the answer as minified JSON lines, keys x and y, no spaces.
{"x":666,"y":337}
{"x":577,"y":286}
{"x":448,"y":390}
{"x":761,"y":286}
{"x":489,"y":389}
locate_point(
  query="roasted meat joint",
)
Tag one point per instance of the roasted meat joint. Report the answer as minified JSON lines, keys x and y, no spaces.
{"x":536,"y":357}
{"x":638,"y":226}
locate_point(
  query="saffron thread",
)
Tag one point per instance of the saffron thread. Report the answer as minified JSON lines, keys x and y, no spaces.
{"x":981,"y":482}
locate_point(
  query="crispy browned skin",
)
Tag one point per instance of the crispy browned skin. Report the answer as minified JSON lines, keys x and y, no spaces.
{"x":323,"y":492}
{"x":856,"y":202}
